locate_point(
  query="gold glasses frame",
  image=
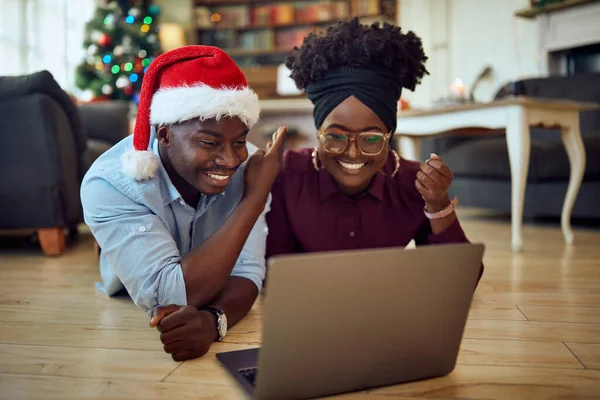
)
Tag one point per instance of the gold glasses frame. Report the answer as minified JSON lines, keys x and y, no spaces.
{"x":353,"y":136}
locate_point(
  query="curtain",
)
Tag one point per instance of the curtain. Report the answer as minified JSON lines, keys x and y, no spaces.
{"x":43,"y":34}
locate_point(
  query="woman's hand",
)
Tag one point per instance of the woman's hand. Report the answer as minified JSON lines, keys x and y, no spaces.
{"x":433,"y":182}
{"x":263,"y":167}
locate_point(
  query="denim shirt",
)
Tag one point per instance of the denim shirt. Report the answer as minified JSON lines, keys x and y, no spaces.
{"x":144,"y":228}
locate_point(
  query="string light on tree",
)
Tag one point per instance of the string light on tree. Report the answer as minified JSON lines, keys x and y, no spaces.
{"x":120,"y":41}
{"x":92,"y":49}
{"x":122,"y":82}
{"x":104,"y":40}
{"x":134,"y":12}
{"x":109,"y":21}
{"x":107,"y":90}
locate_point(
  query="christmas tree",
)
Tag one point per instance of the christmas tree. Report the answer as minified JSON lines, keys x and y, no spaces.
{"x":121,"y":40}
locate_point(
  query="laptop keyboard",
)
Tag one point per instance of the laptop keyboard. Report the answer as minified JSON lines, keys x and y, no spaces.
{"x":249,"y":374}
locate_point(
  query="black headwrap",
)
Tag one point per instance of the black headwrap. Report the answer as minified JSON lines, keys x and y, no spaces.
{"x":378,"y":90}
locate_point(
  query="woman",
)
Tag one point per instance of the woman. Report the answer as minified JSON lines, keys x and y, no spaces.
{"x":352,"y":191}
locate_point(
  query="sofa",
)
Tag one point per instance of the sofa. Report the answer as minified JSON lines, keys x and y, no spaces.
{"x":48,"y":144}
{"x":482,"y":170}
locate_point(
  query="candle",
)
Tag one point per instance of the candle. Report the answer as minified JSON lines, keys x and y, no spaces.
{"x":457,"y":88}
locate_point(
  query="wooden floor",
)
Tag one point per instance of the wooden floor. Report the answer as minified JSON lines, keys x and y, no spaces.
{"x":533,"y":331}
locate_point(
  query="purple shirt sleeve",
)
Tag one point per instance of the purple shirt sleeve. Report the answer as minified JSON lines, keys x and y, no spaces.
{"x":452,"y":234}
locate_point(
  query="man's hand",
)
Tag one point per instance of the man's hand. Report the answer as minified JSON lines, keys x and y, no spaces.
{"x":433,"y":181}
{"x":262,"y":168}
{"x":187,"y":333}
{"x":161,"y":312}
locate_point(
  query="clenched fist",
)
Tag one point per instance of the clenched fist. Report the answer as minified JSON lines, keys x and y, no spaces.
{"x":433,"y":182}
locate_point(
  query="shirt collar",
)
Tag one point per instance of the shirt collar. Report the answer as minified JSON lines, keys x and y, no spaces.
{"x":172,"y":192}
{"x":327,"y":186}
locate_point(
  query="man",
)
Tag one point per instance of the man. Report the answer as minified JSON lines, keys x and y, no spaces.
{"x":180,"y":217}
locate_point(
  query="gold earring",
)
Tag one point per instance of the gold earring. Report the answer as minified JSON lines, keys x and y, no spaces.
{"x":396,"y":168}
{"x":315,"y":160}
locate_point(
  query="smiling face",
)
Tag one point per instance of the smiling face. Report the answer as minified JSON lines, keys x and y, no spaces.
{"x":201,"y":156}
{"x":351,"y":170}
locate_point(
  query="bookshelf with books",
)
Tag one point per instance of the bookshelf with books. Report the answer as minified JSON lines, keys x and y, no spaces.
{"x":258,"y":34}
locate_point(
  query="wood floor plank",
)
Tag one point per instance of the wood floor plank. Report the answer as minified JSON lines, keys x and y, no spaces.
{"x":207,"y":369}
{"x":589,"y":354}
{"x":89,"y":299}
{"x":80,"y":336}
{"x":589,"y":315}
{"x":536,"y":331}
{"x":134,"y":365}
{"x":131,"y":316}
{"x":24,"y":387}
{"x":550,"y":298}
{"x":491,"y":311}
{"x":499,"y":382}
{"x":517,"y":353}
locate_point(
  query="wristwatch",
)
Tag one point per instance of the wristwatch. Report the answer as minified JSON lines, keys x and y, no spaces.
{"x":221,"y":321}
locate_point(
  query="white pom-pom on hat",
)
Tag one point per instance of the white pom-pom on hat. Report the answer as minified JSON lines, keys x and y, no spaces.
{"x":185,"y":83}
{"x":139,"y":164}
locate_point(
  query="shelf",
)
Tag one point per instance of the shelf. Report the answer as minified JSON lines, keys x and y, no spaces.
{"x":257,"y":52}
{"x":283,"y":26}
{"x":535,"y":11}
{"x":212,"y":3}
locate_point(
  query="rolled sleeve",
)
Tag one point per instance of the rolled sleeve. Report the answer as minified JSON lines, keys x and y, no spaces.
{"x":137,"y":248}
{"x":452,"y":234}
{"x":251,"y":262}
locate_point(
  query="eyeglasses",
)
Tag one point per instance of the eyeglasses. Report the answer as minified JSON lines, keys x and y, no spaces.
{"x":368,"y":143}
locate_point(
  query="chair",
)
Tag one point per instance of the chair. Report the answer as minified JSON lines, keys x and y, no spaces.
{"x":48,"y":144}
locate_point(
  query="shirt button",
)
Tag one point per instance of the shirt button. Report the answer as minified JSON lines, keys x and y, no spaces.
{"x":352,"y":233}
{"x":142,"y":229}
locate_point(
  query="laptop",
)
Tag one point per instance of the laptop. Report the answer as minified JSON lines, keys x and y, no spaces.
{"x":345,"y":321}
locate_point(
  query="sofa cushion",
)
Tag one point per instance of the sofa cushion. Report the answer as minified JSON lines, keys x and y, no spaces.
{"x":95,"y":148}
{"x":488,"y":158}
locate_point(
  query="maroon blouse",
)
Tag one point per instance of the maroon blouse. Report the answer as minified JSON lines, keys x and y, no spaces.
{"x":309,"y":214}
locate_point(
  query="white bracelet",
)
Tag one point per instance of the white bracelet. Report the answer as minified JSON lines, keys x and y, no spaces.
{"x":443,"y":213}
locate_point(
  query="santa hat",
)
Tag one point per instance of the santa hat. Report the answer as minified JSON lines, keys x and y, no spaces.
{"x":182,"y":84}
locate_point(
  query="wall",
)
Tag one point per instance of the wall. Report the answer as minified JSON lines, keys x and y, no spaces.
{"x":461,"y":37}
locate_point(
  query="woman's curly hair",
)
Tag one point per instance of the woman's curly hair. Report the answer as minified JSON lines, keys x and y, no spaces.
{"x":355,"y":45}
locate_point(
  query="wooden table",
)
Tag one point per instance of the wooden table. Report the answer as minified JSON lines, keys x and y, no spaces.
{"x":514,"y":115}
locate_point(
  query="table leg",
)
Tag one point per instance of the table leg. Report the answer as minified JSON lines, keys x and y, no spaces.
{"x":519,"y":147}
{"x":410,"y":147}
{"x":571,"y":138}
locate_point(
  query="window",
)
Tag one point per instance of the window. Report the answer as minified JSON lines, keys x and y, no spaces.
{"x":43,"y":34}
